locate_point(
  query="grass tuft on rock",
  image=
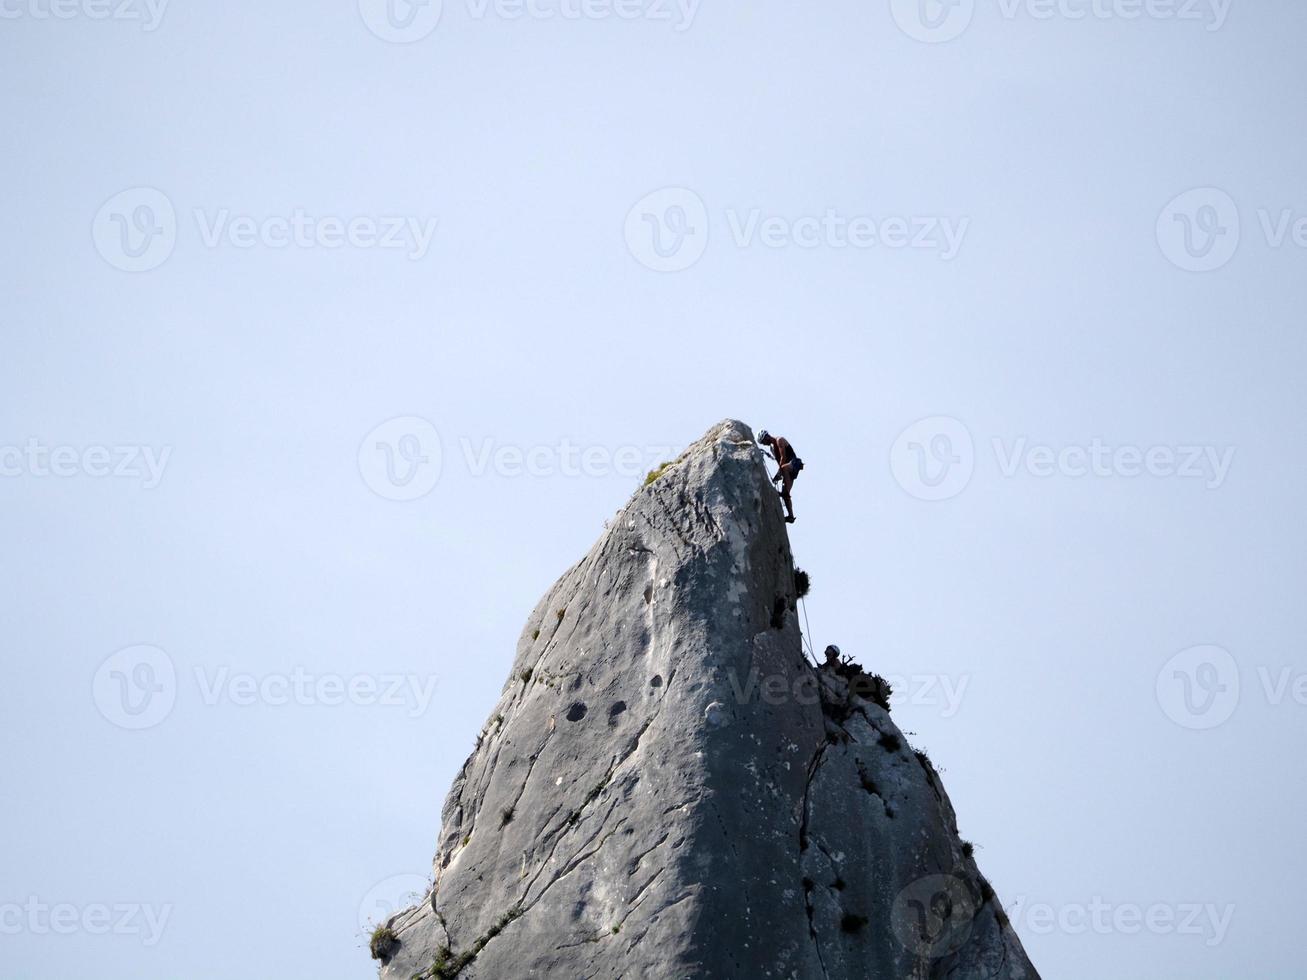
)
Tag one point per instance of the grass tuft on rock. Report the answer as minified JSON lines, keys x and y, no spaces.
{"x":447,"y":965}
{"x":657,"y":472}
{"x":383,"y":943}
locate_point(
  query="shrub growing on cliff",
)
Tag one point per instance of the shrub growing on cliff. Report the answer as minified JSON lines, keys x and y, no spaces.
{"x":656,"y":473}
{"x":383,"y":943}
{"x":869,"y":687}
{"x":875,"y":689}
{"x":801,"y":582}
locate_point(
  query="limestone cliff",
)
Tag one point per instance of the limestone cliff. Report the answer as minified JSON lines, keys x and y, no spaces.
{"x":667,"y":789}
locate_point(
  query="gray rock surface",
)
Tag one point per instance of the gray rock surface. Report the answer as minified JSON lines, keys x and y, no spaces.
{"x":666,"y":788}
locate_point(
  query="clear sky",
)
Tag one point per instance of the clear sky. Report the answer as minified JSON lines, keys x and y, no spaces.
{"x":241,"y":238}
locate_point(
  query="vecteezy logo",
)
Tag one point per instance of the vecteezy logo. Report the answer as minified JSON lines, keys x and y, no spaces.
{"x":136,"y":230}
{"x":385,"y":898}
{"x":667,"y":231}
{"x":933,"y":459}
{"x":401,"y":459}
{"x":401,"y":21}
{"x":933,"y":21}
{"x":932,"y":916}
{"x":1199,"y":687}
{"x":1199,"y":230}
{"x":136,"y":687}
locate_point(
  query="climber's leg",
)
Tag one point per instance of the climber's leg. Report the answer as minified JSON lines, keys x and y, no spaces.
{"x":787,"y":481}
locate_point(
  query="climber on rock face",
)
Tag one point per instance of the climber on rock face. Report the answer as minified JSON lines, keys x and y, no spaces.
{"x":790,"y":465}
{"x":832,"y":656}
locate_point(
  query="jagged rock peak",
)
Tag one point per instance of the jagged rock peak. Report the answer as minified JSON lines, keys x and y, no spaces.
{"x":667,"y":788}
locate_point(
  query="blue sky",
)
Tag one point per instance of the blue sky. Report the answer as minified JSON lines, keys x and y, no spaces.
{"x":332,"y":335}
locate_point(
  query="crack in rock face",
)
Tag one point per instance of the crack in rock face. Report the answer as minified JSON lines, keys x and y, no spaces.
{"x":642,"y":804}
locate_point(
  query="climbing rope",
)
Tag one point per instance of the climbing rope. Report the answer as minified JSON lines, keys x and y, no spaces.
{"x":803,"y":634}
{"x":807,"y":632}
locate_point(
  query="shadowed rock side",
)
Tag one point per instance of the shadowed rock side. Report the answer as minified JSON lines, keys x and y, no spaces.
{"x":640,"y":806}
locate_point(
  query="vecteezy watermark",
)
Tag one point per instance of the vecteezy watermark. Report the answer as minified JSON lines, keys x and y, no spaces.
{"x":38,"y":918}
{"x":305,"y":689}
{"x":391,"y":895}
{"x":1202,"y":229}
{"x":36,"y":459}
{"x":562,"y":458}
{"x":932,"y":916}
{"x":400,"y":21}
{"x":669,"y":230}
{"x":937,"y":21}
{"x":931,"y":233}
{"x":1208,"y":921}
{"x":917,"y":690}
{"x":1201,"y":687}
{"x":1199,"y":230}
{"x":406,"y":21}
{"x":1198,"y":688}
{"x":403,"y":459}
{"x":934,"y":459}
{"x":933,"y":21}
{"x":137,"y":688}
{"x":1210,"y":464}
{"x":300,"y":229}
{"x":136,"y":230}
{"x":679,"y":13}
{"x":148,"y":12}
{"x":1211,"y":14}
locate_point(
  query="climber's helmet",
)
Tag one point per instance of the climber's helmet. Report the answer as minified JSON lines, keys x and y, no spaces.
{"x":764,"y":436}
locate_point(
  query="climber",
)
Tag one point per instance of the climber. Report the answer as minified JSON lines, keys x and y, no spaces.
{"x":790,"y":466}
{"x":832,"y":657}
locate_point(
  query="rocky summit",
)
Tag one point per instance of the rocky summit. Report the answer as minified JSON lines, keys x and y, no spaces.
{"x":668,"y":788}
